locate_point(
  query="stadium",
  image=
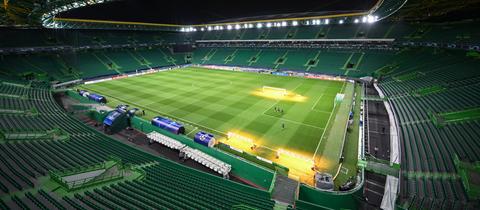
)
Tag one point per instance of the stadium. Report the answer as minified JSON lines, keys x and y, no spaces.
{"x":124,"y":104}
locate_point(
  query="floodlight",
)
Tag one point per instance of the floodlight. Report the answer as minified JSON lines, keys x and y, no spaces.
{"x":295,"y":156}
{"x":209,"y":28}
{"x":327,"y":21}
{"x":294,"y":23}
{"x":340,"y":21}
{"x":237,"y":27}
{"x":284,"y":23}
{"x":356,"y":20}
{"x":250,"y":25}
{"x":229,"y":27}
{"x":259,"y":25}
{"x":364,"y":19}
{"x":269,"y":25}
{"x":370,"y":19}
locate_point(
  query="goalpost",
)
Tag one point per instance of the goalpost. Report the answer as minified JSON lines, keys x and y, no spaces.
{"x":274,"y":90}
{"x":338,"y":99}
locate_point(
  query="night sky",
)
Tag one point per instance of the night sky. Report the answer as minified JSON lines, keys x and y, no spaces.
{"x":197,"y":12}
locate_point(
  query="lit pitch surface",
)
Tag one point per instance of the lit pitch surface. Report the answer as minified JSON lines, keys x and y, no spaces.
{"x":219,"y":102}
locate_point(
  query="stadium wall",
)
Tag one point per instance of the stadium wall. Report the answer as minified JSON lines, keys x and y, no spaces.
{"x":76,"y":96}
{"x":259,"y":176}
{"x":311,"y":198}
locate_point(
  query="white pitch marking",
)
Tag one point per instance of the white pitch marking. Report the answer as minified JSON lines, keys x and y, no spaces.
{"x":316,"y":102}
{"x":192,"y":131}
{"x":164,"y":114}
{"x":295,"y":122}
{"x":326,"y":126}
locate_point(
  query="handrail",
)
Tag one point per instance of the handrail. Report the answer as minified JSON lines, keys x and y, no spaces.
{"x":298,"y":40}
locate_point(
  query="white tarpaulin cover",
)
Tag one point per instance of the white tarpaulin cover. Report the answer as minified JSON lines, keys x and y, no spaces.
{"x":394,"y":147}
{"x":390,"y":195}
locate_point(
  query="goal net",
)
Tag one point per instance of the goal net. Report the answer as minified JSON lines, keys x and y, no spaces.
{"x":338,"y":99}
{"x":274,"y":90}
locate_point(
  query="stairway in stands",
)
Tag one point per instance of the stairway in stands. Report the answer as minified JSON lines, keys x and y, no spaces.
{"x":284,"y":190}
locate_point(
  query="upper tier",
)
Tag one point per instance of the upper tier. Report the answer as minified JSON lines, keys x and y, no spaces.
{"x":462,"y":33}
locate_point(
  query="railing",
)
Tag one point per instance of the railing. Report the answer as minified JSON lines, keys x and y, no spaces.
{"x":88,"y":182}
{"x":77,"y":170}
{"x":242,"y":207}
{"x":365,"y":122}
{"x":270,"y":190}
{"x":31,"y":134}
{"x":301,"y":40}
{"x":58,"y":176}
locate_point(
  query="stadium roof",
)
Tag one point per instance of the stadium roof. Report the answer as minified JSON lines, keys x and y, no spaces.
{"x":183,"y":12}
{"x":161,"y":15}
{"x":439,"y":10}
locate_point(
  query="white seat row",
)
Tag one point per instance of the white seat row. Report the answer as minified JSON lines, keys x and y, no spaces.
{"x":165,"y":140}
{"x":208,"y":161}
{"x":196,"y":155}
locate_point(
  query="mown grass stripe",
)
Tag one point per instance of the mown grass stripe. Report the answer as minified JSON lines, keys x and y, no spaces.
{"x":220,"y":101}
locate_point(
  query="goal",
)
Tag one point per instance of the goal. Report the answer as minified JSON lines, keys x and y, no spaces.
{"x":338,"y":99}
{"x":274,"y":90}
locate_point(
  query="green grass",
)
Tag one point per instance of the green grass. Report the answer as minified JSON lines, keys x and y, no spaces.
{"x":350,"y":150}
{"x":330,"y":148}
{"x":221,"y":101}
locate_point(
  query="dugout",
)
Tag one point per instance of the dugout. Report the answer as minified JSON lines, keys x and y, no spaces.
{"x":115,"y":121}
{"x":118,"y":119}
{"x":93,"y":96}
{"x":205,"y":139}
{"x":97,"y":98}
{"x":168,"y":125}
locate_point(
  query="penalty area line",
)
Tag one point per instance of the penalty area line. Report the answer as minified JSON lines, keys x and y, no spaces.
{"x":316,"y":102}
{"x":266,"y":110}
{"x":277,"y":101}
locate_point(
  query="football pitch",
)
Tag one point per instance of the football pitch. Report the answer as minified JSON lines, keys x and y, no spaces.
{"x":220,"y":101}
